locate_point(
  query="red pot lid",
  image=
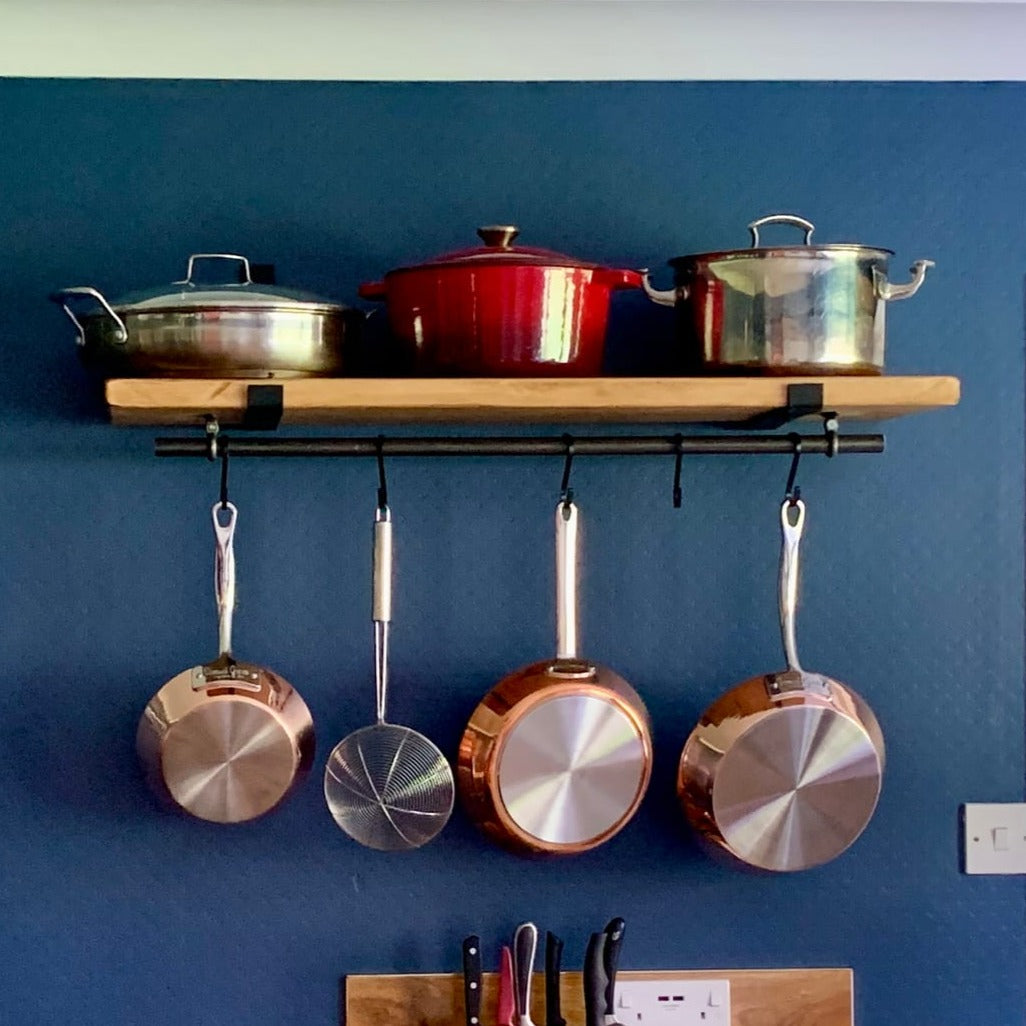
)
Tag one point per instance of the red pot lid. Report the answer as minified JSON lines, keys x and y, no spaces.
{"x":498,"y":248}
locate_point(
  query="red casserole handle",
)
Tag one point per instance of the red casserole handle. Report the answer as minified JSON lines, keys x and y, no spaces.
{"x":372,"y":290}
{"x":616,"y":279}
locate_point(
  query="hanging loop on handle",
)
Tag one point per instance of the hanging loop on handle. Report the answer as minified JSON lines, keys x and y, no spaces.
{"x":224,"y":518}
{"x":792,"y":523}
{"x":382,"y":604}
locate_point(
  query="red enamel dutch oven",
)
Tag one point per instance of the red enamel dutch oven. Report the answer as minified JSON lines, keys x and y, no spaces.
{"x":502,"y":310}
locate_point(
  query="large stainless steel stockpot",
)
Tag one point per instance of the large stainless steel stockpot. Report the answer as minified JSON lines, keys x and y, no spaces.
{"x":243,"y":329}
{"x":785,"y":309}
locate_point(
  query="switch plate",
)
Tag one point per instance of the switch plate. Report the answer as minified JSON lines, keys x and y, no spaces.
{"x":673,"y":1002}
{"x":994,"y":837}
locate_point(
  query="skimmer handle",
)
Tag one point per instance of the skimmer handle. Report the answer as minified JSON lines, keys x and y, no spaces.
{"x":382,"y":611}
{"x":791,"y":531}
{"x":566,"y":580}
{"x":224,"y":518}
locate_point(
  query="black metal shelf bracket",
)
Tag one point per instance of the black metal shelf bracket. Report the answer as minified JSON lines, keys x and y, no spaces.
{"x":803,"y":400}
{"x":265,"y":405}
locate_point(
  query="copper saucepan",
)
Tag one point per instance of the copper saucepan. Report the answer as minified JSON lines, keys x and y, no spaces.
{"x":226,"y":741}
{"x":557,"y":756}
{"x":783,"y":771}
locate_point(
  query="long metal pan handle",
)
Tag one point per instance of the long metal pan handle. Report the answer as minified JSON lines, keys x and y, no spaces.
{"x":791,"y":530}
{"x":382,"y":604}
{"x":792,"y":219}
{"x":224,"y":518}
{"x":566,"y":580}
{"x":64,"y":295}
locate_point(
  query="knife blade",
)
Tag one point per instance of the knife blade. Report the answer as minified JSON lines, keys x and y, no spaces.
{"x":472,"y":980}
{"x":553,"y":963}
{"x":614,"y":932}
{"x":595,"y":981}
{"x":505,"y":1008}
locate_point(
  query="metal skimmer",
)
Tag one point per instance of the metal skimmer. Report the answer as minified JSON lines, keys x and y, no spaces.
{"x":387,"y":786}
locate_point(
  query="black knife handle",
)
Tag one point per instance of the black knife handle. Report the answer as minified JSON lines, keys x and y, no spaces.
{"x":472,"y":980}
{"x":553,"y":964}
{"x":594,"y":981}
{"x":611,"y":959}
{"x":525,"y":947}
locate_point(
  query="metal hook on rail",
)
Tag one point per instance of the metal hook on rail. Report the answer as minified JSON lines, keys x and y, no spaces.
{"x":224,"y":473}
{"x":792,"y":492}
{"x":678,"y":459}
{"x":382,"y":482}
{"x":566,"y":493}
{"x":830,"y":429}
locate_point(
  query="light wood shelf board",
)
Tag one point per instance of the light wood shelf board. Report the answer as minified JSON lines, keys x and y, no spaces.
{"x":758,"y":997}
{"x":186,"y":401}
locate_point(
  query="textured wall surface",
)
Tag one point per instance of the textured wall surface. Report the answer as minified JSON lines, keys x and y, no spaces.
{"x":114,"y":912}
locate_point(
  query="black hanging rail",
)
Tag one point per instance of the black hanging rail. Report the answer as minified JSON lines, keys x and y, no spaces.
{"x":827,"y":443}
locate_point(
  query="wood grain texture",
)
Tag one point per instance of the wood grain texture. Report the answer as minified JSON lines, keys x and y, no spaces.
{"x":186,"y":401}
{"x":758,"y":997}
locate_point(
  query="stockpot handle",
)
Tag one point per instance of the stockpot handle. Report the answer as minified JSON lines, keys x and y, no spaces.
{"x":187,"y":280}
{"x":792,"y":219}
{"x":889,"y":292}
{"x":64,"y":295}
{"x":791,"y":532}
{"x":566,"y":581}
{"x":224,"y":572}
{"x":382,"y":604}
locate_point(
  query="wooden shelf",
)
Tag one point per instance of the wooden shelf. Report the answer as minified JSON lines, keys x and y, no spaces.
{"x":187,"y":401}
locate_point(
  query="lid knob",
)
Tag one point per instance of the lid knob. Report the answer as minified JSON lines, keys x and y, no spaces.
{"x":498,"y":235}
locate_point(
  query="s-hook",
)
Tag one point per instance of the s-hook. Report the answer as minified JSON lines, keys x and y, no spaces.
{"x":830,"y":427}
{"x":792,"y":492}
{"x":382,"y":482}
{"x":212,"y":430}
{"x":566,"y":493}
{"x":224,"y":473}
{"x":678,"y":458}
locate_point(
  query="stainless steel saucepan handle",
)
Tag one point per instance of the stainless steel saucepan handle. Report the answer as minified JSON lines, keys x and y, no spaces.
{"x":382,"y":604}
{"x":791,"y":530}
{"x":566,"y":581}
{"x":224,"y":518}
{"x":792,"y":219}
{"x":64,"y":295}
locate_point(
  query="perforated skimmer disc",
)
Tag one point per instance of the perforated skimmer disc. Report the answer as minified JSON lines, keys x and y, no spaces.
{"x":388,"y":787}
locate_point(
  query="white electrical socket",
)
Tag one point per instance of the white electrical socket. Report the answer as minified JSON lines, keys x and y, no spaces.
{"x":994,"y":837}
{"x":673,"y":1002}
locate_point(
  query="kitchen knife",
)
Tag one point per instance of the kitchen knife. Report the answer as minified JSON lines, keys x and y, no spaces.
{"x":504,"y":1011}
{"x":595,"y":981}
{"x":610,"y":960}
{"x":472,"y":980}
{"x":525,"y":946}
{"x":553,"y":961}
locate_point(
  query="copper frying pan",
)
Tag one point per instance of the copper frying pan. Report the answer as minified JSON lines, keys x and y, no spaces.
{"x":783,"y":771}
{"x":557,"y":756}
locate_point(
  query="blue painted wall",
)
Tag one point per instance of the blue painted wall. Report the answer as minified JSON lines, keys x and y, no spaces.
{"x":113,"y":912}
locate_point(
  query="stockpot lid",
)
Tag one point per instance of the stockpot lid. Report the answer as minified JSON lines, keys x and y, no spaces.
{"x":804,"y":248}
{"x":189,"y":294}
{"x":498,"y":248}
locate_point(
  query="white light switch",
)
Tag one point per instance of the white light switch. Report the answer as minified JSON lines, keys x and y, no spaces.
{"x":994,"y":837}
